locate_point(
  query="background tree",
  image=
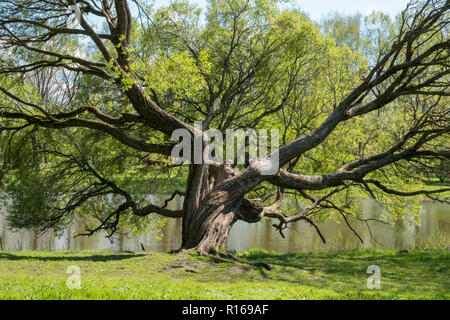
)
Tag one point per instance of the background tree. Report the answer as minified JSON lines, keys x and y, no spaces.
{"x":122,"y":81}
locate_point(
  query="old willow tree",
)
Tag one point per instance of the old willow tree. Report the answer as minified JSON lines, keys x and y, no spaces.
{"x":92,"y":90}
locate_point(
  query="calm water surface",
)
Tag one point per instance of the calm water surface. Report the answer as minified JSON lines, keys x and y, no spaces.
{"x":434,"y":230}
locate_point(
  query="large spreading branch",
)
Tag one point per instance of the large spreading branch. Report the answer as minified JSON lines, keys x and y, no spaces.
{"x":53,"y":121}
{"x":416,"y":64}
{"x":422,"y":71}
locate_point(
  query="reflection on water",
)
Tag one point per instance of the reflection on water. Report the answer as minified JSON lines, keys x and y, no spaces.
{"x":300,"y":237}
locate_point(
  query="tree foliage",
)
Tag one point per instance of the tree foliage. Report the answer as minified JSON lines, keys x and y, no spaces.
{"x":87,"y":112}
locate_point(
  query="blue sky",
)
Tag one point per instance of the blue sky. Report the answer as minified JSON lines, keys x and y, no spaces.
{"x":320,"y":8}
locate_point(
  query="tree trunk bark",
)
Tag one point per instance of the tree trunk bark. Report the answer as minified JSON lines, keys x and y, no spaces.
{"x":211,"y":235}
{"x":215,"y":201}
{"x":207,"y":228}
{"x":210,"y":209}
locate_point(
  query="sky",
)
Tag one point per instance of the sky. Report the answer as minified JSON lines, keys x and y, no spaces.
{"x":320,"y":8}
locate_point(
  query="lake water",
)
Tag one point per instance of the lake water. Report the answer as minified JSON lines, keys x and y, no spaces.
{"x":433,"y":231}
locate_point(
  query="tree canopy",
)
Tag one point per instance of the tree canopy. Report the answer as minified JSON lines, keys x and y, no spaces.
{"x":88,"y":107}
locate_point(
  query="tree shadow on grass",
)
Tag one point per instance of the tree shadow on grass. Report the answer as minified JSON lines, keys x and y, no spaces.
{"x":94,"y":257}
{"x":350,"y":270}
{"x":299,"y":261}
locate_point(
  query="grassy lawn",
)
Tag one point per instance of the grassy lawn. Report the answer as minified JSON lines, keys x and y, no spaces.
{"x":122,"y":275}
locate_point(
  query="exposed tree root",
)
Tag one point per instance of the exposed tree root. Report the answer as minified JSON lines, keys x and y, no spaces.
{"x":181,"y":250}
{"x":258,"y":264}
{"x":230,"y":258}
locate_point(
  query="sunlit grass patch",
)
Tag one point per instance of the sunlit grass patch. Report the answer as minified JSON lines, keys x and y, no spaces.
{"x":126,"y":275}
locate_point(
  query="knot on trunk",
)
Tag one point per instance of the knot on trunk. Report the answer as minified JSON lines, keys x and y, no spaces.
{"x":223,"y":172}
{"x":251,"y":210}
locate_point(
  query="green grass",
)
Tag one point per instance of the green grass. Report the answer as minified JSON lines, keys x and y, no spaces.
{"x":122,"y":275}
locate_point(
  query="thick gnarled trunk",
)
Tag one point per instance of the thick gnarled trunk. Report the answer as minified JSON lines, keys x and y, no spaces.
{"x":206,"y":227}
{"x":211,"y":208}
{"x":211,"y":235}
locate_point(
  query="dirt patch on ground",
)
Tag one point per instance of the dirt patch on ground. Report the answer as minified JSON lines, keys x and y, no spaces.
{"x":186,"y":265}
{"x":238,"y":269}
